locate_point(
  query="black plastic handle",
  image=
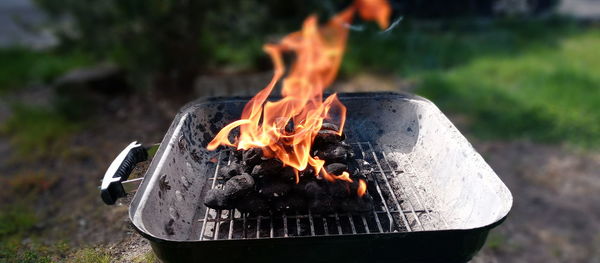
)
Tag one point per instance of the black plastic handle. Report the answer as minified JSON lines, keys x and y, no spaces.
{"x":119,"y":170}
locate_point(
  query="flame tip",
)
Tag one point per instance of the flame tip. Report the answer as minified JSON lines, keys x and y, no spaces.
{"x":319,"y":51}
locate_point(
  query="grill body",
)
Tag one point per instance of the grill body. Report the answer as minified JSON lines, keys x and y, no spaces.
{"x":435,"y":197}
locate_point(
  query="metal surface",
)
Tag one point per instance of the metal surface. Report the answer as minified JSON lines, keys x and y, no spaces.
{"x":431,"y":188}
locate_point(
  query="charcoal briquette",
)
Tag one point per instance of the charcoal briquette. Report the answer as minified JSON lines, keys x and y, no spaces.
{"x":268,"y":167}
{"x":357,"y":204}
{"x":323,"y":205}
{"x":288,"y":174}
{"x":290,"y":203}
{"x":216,"y":199}
{"x":230,"y":171}
{"x":319,"y":201}
{"x":325,"y":137}
{"x":252,"y":156}
{"x":336,"y":168}
{"x":252,"y":203}
{"x":339,"y":189}
{"x":238,"y":155}
{"x":329,"y":126}
{"x":274,"y":189}
{"x":238,"y":186}
{"x":335,"y":153}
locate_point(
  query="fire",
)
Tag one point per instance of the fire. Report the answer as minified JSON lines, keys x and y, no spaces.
{"x":362,"y":187}
{"x":285,"y":129}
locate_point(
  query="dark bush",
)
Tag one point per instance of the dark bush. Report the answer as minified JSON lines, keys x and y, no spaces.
{"x":174,"y":40}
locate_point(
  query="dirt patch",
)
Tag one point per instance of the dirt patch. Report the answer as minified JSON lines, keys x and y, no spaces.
{"x":555,"y":215}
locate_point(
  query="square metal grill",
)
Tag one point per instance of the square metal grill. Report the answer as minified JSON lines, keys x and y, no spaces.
{"x":400,"y":205}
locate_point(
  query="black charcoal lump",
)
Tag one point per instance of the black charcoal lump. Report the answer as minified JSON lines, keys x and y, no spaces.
{"x":268,"y":167}
{"x":339,"y":189}
{"x":326,"y":137}
{"x":234,"y":188}
{"x":238,"y":185}
{"x":357,"y":204}
{"x":336,"y":168}
{"x":319,"y":200}
{"x":275,"y":189}
{"x":335,"y":153}
{"x":252,"y":203}
{"x":290,"y":203}
{"x":215,"y":198}
{"x":230,"y":170}
{"x":252,"y":157}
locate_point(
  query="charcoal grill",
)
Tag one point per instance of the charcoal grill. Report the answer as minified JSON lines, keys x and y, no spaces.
{"x":435,"y":197}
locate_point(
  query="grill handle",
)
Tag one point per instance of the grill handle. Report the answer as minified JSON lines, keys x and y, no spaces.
{"x":119,"y":170}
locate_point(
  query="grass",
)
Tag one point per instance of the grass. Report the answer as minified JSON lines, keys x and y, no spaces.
{"x":534,"y":79}
{"x":37,"y":131}
{"x":90,"y":255}
{"x":15,"y":222}
{"x":148,"y":257}
{"x":20,"y":67}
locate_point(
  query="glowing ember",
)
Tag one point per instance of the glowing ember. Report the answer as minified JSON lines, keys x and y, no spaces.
{"x":362,"y":187}
{"x":318,"y":52}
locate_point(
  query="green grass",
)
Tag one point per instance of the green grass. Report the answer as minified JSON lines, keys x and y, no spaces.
{"x":548,"y":94}
{"x":37,"y":131}
{"x":534,"y":79}
{"x":15,"y":222}
{"x":90,"y":255}
{"x":148,"y":257}
{"x":20,"y":66}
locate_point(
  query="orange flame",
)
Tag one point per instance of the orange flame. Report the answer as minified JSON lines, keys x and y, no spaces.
{"x":318,"y":52}
{"x":345,"y":176}
{"x":362,"y":187}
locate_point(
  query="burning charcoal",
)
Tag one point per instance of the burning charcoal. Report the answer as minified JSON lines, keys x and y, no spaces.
{"x":319,"y":201}
{"x":307,"y":175}
{"x":238,"y":186}
{"x":325,"y":137}
{"x":323,"y":205}
{"x":230,"y":171}
{"x":299,"y":187}
{"x":335,"y":153}
{"x":288,"y":175}
{"x":336,"y":168}
{"x":339,"y":189}
{"x":313,"y":189}
{"x":252,"y":156}
{"x":238,"y":155}
{"x":252,"y":203}
{"x":292,"y":202}
{"x":329,"y":126}
{"x":357,"y":204}
{"x":271,"y":189}
{"x":216,"y":199}
{"x":268,"y":167}
{"x":354,"y":185}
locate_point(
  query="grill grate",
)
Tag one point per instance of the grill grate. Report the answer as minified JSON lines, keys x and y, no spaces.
{"x":399,"y":206}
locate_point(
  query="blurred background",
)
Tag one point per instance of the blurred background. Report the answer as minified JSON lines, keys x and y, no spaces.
{"x":79,"y":80}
